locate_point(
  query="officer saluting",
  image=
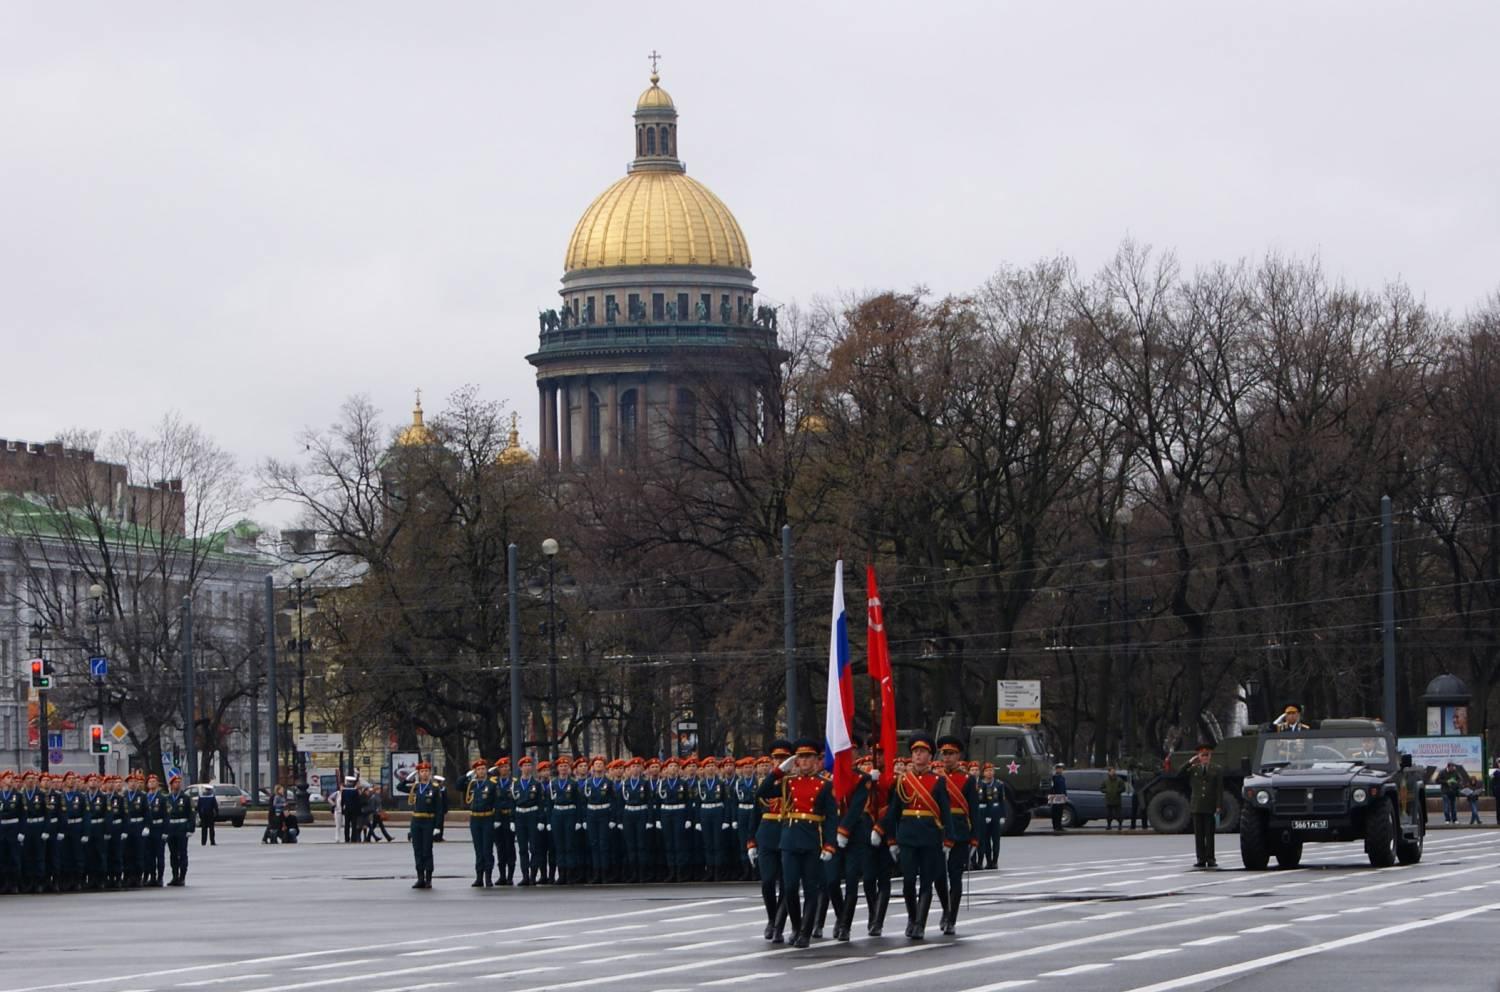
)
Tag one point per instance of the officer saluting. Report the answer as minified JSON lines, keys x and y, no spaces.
{"x":424,"y":804}
{"x":480,"y":799}
{"x":1205,"y":803}
{"x":809,"y":824}
{"x":918,"y":826}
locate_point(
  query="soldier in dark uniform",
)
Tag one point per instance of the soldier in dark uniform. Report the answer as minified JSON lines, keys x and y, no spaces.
{"x":95,"y":853}
{"x":689,"y":853}
{"x":710,"y":821}
{"x":114,"y":832}
{"x":765,"y":843}
{"x":480,"y":800}
{"x":562,"y":821}
{"x":423,"y":801}
{"x":918,"y":825}
{"x":156,"y":849}
{"x":440,"y":784}
{"x":1205,"y":803}
{"x":742,"y":804}
{"x":991,"y":812}
{"x":546,"y":857}
{"x":809,"y":826}
{"x":10,"y":834}
{"x":963,"y":800}
{"x":72,"y":872}
{"x":671,"y":805}
{"x":33,"y":828}
{"x":350,"y":803}
{"x":178,"y":827}
{"x":635,"y":817}
{"x":878,"y":867}
{"x":617,"y":821}
{"x":57,"y":825}
{"x":855,"y":826}
{"x":656,"y":856}
{"x":598,"y":804}
{"x":505,"y":827}
{"x":526,"y":794}
{"x":137,"y":830}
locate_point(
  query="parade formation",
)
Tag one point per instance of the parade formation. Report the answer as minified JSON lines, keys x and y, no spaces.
{"x":774,"y":819}
{"x":72,"y":833}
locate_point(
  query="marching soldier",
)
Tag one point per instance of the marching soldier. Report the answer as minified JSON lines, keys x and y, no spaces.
{"x":34,"y":831}
{"x":878,"y":868}
{"x":963,"y":800}
{"x":691,"y":850}
{"x":855,"y":826}
{"x":617,"y":769}
{"x":156,"y":822}
{"x":75,"y":819}
{"x":57,"y":825}
{"x":546,"y":858}
{"x":765,"y":843}
{"x":918,"y":827}
{"x":1205,"y":803}
{"x":809,"y":822}
{"x":178,"y":827}
{"x":505,"y":810}
{"x":423,"y":802}
{"x":991,"y":813}
{"x":598,"y":804}
{"x":11,"y":812}
{"x":527,"y":795}
{"x":137,"y":830}
{"x":114,"y":833}
{"x":656,"y":854}
{"x":480,"y":799}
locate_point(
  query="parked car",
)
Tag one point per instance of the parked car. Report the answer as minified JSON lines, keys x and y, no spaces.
{"x":233,"y":802}
{"x":1086,"y":801}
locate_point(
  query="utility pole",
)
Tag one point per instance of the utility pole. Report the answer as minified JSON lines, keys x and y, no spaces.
{"x":513,"y":574}
{"x":190,"y":763}
{"x":274,"y":745}
{"x":1388,"y":608}
{"x":789,"y":620}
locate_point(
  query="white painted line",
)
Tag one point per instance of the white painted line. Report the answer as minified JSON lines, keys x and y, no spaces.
{"x":1208,"y":941}
{"x":216,"y":981}
{"x":1155,"y":952}
{"x":415,"y":988}
{"x":1402,"y":902}
{"x":741,"y":979}
{"x":1228,"y":971}
{"x":435,"y":950}
{"x":695,"y":916}
{"x":835,"y":963}
{"x":335,"y":964}
{"x":910,"y":949}
{"x":1077,"y":969}
{"x":523,"y":971}
{"x":1315,"y":917}
{"x":1358,"y":909}
{"x":612,"y":957}
{"x":1267,"y":928}
{"x":628,"y":926}
{"x":666,"y":970}
{"x":1107,"y":916}
{"x":1002,"y":986}
{"x":694,"y":947}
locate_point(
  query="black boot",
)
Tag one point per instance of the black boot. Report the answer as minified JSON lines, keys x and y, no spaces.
{"x":820,"y":914}
{"x":809,"y":919}
{"x":911,"y":915}
{"x":478,"y":882}
{"x":919,"y":932}
{"x":778,"y":926}
{"x":418,"y":883}
{"x":489,"y":879}
{"x":846,"y":915}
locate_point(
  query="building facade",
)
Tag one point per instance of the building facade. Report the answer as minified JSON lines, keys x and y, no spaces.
{"x":659,"y":334}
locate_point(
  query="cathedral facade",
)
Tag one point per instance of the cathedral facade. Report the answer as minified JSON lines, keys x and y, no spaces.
{"x":658,"y":337}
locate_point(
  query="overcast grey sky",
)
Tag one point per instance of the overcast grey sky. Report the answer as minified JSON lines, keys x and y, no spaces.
{"x":247,"y":212}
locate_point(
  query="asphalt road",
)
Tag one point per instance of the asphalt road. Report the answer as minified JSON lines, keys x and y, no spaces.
{"x":1079,"y":912}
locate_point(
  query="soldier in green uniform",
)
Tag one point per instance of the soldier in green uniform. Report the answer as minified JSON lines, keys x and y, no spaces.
{"x":481,"y":803}
{"x":423,"y":803}
{"x":526,"y":794}
{"x":1113,"y":789}
{"x":95,"y":854}
{"x":1205,"y":803}
{"x":178,"y":827}
{"x":918,"y":827}
{"x":562,"y":821}
{"x":505,"y":810}
{"x":991,"y":811}
{"x":10,"y":834}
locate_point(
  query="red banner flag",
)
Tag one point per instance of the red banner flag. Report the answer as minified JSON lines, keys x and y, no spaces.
{"x":880,"y":671}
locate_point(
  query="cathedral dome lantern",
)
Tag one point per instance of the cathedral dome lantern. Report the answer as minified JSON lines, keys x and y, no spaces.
{"x":656,"y":291}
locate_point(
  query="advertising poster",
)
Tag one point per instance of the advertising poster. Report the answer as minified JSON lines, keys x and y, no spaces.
{"x":1434,"y":753}
{"x":403,"y":772}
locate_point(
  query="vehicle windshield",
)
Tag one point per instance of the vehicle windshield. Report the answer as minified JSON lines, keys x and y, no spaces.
{"x":1305,"y":750}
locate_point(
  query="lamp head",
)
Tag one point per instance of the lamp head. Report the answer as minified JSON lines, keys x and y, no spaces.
{"x":96,"y":592}
{"x":299,"y":571}
{"x":549,"y":547}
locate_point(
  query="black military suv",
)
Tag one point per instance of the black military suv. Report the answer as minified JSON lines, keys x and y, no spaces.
{"x":1344,"y":781}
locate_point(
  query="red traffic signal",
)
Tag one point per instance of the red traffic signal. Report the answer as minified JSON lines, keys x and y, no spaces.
{"x":41,"y":675}
{"x":97,"y":743}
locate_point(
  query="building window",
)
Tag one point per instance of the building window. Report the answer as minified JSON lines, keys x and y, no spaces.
{"x":628,"y":420}
{"x":687,"y":413}
{"x":707,"y":301}
{"x":650,"y":141}
{"x":635,"y":307}
{"x":595,"y":422}
{"x":666,"y":144}
{"x":640,"y":143}
{"x":683,"y":313}
{"x":658,"y":306}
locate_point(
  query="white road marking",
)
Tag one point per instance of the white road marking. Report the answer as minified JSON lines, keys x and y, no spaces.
{"x":334,"y":964}
{"x":1403,"y":902}
{"x":1003,"y":986}
{"x":835,"y":963}
{"x":216,"y":981}
{"x":910,"y":949}
{"x":1155,"y":952}
{"x":1208,"y":941}
{"x":628,"y":926}
{"x":1109,"y":916}
{"x":1315,"y":917}
{"x":1077,"y":969}
{"x":695,"y":916}
{"x":415,"y":988}
{"x":741,"y":979}
{"x":1267,"y":928}
{"x":694,"y":947}
{"x":612,"y":957}
{"x":435,"y":950}
{"x":1257,"y":964}
{"x":513,"y":974}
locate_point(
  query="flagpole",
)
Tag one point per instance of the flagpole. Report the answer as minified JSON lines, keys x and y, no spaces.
{"x":789,"y":614}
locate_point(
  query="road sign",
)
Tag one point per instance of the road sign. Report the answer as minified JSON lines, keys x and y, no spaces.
{"x":98,"y":667}
{"x":55,"y":755}
{"x":1020,"y":702}
{"x":118,"y":731}
{"x":319,"y":742}
{"x":54,"y":740}
{"x":686,"y":726}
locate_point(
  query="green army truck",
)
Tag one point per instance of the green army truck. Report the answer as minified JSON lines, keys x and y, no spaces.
{"x":1021,"y":759}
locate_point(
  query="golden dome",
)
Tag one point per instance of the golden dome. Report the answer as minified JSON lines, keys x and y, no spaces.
{"x":513,"y":454}
{"x":655,"y":98}
{"x":657,"y":218}
{"x":416,"y":434}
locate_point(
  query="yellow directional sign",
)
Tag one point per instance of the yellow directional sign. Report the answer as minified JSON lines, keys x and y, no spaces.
{"x":1020,"y":702}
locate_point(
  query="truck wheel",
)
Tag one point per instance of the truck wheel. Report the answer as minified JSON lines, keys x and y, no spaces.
{"x":1289,"y":855}
{"x":1380,"y":835}
{"x":1017,"y":823}
{"x":1167,"y":812}
{"x":1409,"y":852}
{"x":1255,"y":846}
{"x":239,"y":823}
{"x":1069,"y":817}
{"x":1229,"y":820}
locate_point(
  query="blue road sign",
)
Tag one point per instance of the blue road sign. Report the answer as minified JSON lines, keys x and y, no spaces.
{"x":98,"y":667}
{"x":54,"y":740}
{"x":55,"y":756}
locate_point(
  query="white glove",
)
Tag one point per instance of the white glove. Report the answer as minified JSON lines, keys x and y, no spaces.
{"x":611,"y":825}
{"x":895,"y":852}
{"x":49,"y":836}
{"x":786,"y":765}
{"x":84,"y":839}
{"x":843,"y":840}
{"x":754,"y":855}
{"x":698,"y":827}
{"x":658,"y":825}
{"x":145,"y":832}
{"x":875,"y":838}
{"x":826,"y":856}
{"x":724,"y":826}
{"x":874,"y":774}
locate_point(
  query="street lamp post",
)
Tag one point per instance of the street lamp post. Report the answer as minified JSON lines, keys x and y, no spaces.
{"x":96,"y":607}
{"x":1123,"y":516}
{"x":304,"y":811}
{"x":550,"y":548}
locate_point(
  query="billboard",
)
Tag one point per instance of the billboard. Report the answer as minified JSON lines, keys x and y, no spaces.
{"x":1433,"y":753}
{"x":403,"y":771}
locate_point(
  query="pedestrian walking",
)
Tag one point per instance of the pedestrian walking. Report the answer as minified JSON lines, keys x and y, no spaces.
{"x":208,"y":813}
{"x":375,"y":813}
{"x":1113,"y":788}
{"x":1057,"y":797}
{"x":424,"y":804}
{"x":918,"y":831}
{"x":963,"y":800}
{"x":1472,"y":792}
{"x":1205,"y":804}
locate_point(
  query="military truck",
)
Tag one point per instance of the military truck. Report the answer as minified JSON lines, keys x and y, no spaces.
{"x":1021,"y":759}
{"x":1344,"y":781}
{"x":1164,"y":798}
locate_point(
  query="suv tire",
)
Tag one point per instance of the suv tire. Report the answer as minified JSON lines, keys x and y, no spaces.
{"x":1289,"y":855}
{"x":1167,"y":812}
{"x":1409,"y":852}
{"x":1229,"y":820}
{"x":1381,"y":835}
{"x":1016,"y":823}
{"x":1255,"y":846}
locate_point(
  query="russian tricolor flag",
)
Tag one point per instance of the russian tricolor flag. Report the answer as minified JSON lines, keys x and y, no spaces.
{"x":839,"y":727}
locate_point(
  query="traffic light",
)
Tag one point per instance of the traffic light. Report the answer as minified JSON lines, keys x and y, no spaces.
{"x":41,"y":674}
{"x":97,"y":743}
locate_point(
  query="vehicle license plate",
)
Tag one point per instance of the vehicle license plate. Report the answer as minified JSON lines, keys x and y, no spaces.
{"x":1309,"y":824}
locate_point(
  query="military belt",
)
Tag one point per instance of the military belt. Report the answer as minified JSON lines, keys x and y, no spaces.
{"x":10,"y":819}
{"x":564,"y":806}
{"x":636,"y":809}
{"x":175,"y":819}
{"x":919,"y":812}
{"x":487,"y":812}
{"x":424,"y":816}
{"x":75,"y":819}
{"x":806,"y":817}
{"x":771,"y":816}
{"x":748,"y":807}
{"x":598,"y":806}
{"x":674,"y":806}
{"x":134,"y":819}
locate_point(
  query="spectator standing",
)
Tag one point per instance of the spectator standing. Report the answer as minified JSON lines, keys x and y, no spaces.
{"x":1113,"y":788}
{"x":349,"y":804}
{"x":1450,"y":783}
{"x":274,"y":816}
{"x":1472,"y":792}
{"x":1057,"y":797}
{"x":208,"y":812}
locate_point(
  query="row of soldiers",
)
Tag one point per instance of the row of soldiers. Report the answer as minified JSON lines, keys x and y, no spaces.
{"x":675,"y":820}
{"x":71,"y":832}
